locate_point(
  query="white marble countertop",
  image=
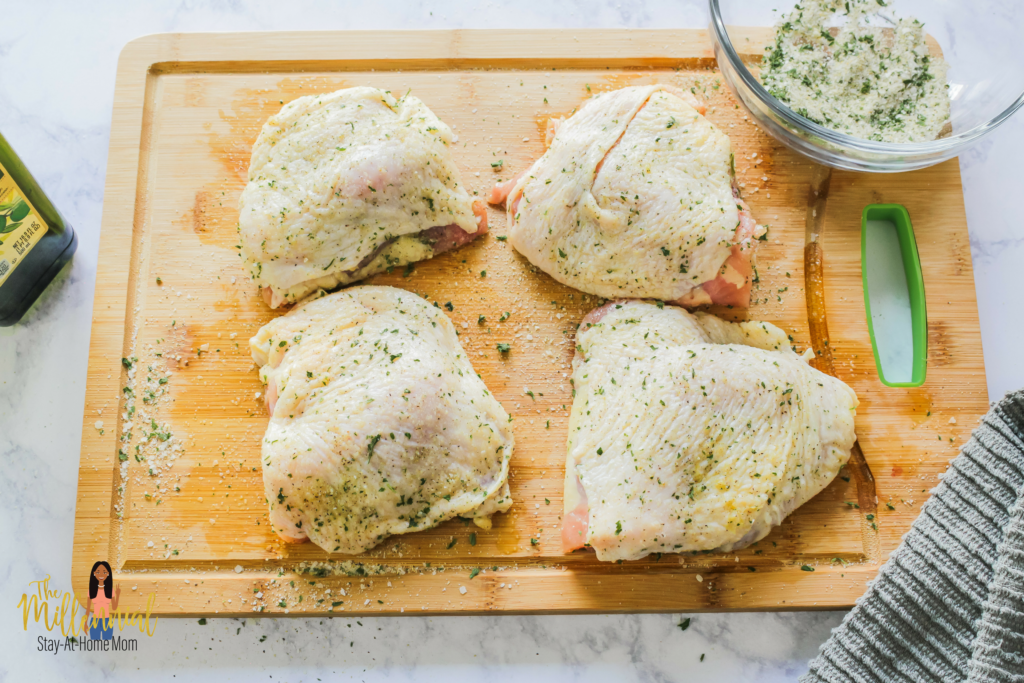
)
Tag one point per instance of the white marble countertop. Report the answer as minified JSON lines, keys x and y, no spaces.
{"x":56,"y":89}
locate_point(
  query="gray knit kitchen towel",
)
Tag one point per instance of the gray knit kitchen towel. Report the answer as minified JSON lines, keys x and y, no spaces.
{"x":948,"y":605}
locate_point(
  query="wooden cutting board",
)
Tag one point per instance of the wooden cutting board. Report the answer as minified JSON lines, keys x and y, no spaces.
{"x":172,"y":294}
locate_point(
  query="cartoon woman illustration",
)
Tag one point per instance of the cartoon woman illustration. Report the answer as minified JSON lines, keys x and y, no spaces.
{"x":102,"y":602}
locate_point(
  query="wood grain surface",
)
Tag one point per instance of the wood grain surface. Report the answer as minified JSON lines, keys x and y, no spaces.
{"x":191,"y":528}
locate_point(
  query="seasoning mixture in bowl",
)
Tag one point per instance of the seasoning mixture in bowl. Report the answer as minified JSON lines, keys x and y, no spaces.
{"x":838,"y":63}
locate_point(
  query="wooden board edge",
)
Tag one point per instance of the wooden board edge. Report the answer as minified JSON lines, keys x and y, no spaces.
{"x":968,"y":265}
{"x":539,"y":591}
{"x":94,"y":508}
{"x":416,"y":48}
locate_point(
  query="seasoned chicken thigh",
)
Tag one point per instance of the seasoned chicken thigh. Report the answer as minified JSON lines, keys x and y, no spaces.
{"x":634,"y":198}
{"x":345,"y":185}
{"x":378,"y":423}
{"x":691,"y":433}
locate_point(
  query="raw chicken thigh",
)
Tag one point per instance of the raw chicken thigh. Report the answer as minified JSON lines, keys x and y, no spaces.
{"x":691,"y":433}
{"x":634,"y":198}
{"x":345,"y":185}
{"x":378,"y":423}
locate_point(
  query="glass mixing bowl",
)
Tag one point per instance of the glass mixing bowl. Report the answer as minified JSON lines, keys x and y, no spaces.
{"x":980,"y":39}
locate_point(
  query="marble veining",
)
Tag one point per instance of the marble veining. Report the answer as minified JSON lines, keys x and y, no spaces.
{"x":56,"y":90}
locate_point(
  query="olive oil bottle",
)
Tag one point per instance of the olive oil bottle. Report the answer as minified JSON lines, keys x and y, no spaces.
{"x":35,"y":242}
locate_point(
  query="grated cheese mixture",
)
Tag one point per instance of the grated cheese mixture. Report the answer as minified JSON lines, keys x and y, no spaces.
{"x":869,"y":76}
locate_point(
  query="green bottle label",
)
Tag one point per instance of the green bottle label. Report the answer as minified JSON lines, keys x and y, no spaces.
{"x":20,"y":225}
